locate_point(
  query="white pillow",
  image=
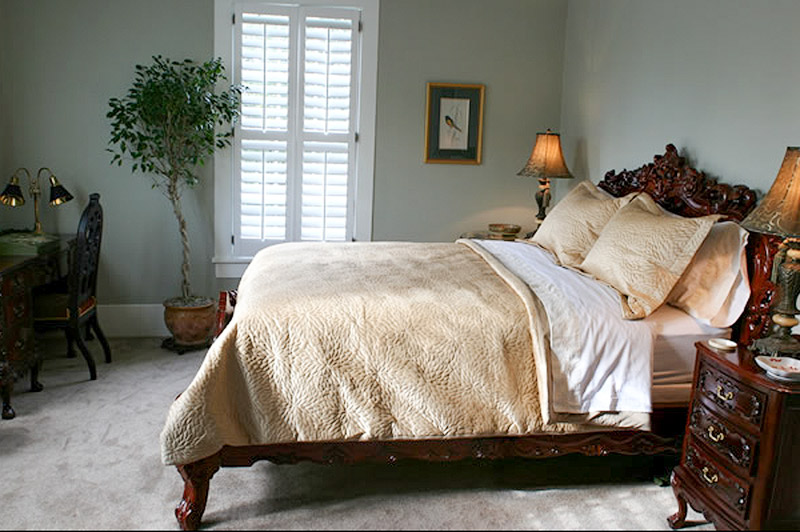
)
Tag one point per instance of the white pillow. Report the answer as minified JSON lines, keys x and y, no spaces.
{"x":715,"y":288}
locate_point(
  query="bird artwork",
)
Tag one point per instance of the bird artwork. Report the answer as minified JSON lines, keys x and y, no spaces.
{"x":453,"y":121}
{"x":449,"y":121}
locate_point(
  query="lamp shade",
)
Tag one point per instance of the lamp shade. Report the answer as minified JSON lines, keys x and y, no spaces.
{"x":12,"y":194}
{"x":779,"y":211}
{"x":58,"y":194}
{"x":546,"y":160}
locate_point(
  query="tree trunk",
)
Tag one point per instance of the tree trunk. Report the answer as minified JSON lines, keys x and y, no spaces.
{"x":175,"y":198}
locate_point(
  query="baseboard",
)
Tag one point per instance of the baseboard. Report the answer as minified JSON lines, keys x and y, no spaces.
{"x":125,"y":321}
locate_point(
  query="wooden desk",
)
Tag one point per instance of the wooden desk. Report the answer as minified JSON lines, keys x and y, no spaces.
{"x":18,"y":354}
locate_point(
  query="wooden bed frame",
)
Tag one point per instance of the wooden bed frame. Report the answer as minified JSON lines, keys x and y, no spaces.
{"x":674,"y":185}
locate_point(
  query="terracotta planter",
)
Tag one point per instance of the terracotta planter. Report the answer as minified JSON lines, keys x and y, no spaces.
{"x":191,"y":323}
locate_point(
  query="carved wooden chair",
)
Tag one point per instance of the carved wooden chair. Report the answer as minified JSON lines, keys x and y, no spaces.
{"x":70,"y":303}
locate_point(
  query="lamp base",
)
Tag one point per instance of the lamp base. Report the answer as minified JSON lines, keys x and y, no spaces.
{"x":778,"y":344}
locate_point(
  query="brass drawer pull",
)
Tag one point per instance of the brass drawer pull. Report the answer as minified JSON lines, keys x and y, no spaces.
{"x":724,"y":396}
{"x":713,"y":479}
{"x":716,"y":438}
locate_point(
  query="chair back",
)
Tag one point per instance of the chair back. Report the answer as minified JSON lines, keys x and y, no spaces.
{"x":82,"y":276}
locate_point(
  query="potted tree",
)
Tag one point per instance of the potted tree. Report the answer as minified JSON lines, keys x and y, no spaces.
{"x":167,"y":126}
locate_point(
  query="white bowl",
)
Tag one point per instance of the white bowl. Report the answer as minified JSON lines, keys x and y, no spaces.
{"x":722,"y":344}
{"x":786,"y":368}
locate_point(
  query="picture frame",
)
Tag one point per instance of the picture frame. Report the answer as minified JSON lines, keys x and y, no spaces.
{"x":454,"y":123}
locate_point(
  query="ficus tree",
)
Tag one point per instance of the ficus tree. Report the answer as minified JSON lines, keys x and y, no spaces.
{"x":169,"y":123}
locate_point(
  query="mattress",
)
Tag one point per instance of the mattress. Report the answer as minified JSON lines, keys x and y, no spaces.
{"x":674,"y":353}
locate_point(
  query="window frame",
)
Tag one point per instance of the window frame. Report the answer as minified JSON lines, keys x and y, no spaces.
{"x":227,"y":263}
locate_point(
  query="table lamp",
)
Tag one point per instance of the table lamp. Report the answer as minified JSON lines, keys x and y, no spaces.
{"x":779,"y":214}
{"x":545,"y":163}
{"x":12,"y":194}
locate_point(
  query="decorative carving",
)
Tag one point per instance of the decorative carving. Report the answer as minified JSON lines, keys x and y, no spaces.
{"x":755,"y":319}
{"x":681,"y":189}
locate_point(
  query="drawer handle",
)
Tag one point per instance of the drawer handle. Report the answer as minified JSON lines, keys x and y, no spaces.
{"x":716,"y":438}
{"x":724,"y":396}
{"x":713,"y":479}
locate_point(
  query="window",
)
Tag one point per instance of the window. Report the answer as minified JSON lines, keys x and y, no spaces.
{"x":300,"y":166}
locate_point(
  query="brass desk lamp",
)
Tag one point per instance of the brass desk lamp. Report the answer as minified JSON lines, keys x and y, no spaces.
{"x":12,"y":194}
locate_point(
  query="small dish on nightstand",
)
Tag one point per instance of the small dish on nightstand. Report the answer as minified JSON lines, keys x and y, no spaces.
{"x":780,"y":368}
{"x":723,"y":344}
{"x":505,"y":229}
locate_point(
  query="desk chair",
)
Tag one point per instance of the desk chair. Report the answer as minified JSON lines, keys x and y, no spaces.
{"x":70,"y":303}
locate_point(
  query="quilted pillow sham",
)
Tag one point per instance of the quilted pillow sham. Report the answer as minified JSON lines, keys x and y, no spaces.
{"x":570,"y":230}
{"x":714,"y":288}
{"x":642,"y":252}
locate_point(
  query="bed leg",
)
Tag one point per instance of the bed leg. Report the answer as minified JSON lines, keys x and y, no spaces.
{"x":196,"y":477}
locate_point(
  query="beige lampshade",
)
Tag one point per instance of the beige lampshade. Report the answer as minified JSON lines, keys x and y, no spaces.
{"x":779,"y":211}
{"x":546,"y":160}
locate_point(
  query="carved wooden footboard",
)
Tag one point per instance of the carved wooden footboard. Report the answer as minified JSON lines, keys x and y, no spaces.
{"x":197,"y":475}
{"x":673,"y":184}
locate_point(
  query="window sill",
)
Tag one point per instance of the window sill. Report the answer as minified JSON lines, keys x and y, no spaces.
{"x":230,"y":267}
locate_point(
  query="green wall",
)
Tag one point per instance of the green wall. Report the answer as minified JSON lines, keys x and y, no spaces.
{"x":60,"y":62}
{"x":717,"y":78}
{"x":513,"y":47}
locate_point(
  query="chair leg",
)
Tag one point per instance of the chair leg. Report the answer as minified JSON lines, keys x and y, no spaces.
{"x":76,"y":335}
{"x":100,"y":336}
{"x":70,"y":345}
{"x":36,"y":386}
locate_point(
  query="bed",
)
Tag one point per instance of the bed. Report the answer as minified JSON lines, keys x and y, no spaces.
{"x":344,"y":353}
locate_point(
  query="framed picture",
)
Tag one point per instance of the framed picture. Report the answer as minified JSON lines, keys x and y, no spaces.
{"x":454,"y":123}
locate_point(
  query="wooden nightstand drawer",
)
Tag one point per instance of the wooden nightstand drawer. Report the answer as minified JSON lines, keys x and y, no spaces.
{"x":731,"y":395}
{"x":734,"y":446}
{"x":730,"y":490}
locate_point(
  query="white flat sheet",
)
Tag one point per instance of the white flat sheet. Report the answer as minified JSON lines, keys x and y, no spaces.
{"x":599,"y":361}
{"x":674,"y":352}
{"x":591,"y":383}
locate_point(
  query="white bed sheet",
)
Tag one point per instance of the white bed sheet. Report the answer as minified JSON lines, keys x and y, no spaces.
{"x":674,"y":331}
{"x":674,"y":353}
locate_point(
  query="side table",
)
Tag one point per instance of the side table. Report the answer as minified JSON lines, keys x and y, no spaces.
{"x":740,"y":465}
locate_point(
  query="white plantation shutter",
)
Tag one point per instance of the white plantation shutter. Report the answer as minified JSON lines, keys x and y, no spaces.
{"x":328,"y":74}
{"x":295,"y":142}
{"x":324,"y":195}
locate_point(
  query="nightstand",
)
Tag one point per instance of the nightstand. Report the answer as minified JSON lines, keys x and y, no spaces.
{"x":741,"y":453}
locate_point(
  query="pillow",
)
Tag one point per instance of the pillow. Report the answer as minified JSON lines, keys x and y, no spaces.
{"x":643,"y":251}
{"x":571,"y":228}
{"x":714,"y":288}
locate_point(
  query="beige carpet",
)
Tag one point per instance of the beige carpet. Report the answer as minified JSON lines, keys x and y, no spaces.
{"x":84,"y":455}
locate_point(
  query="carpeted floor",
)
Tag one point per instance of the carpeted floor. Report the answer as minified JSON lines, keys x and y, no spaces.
{"x":84,"y":455}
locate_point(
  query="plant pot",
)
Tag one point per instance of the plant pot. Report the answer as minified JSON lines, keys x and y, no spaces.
{"x":191,"y":322}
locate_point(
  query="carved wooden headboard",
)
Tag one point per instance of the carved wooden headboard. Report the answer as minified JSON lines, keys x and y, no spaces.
{"x":683,"y":190}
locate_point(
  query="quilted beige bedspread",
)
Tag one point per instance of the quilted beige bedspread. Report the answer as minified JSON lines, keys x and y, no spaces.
{"x":364,"y":341}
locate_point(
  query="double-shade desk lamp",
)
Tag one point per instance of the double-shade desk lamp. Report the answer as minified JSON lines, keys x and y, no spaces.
{"x":12,"y":196}
{"x":778,"y":214}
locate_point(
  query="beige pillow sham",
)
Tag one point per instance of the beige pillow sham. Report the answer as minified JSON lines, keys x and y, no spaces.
{"x":715,"y":286}
{"x":643,"y":251}
{"x":572,"y":227}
